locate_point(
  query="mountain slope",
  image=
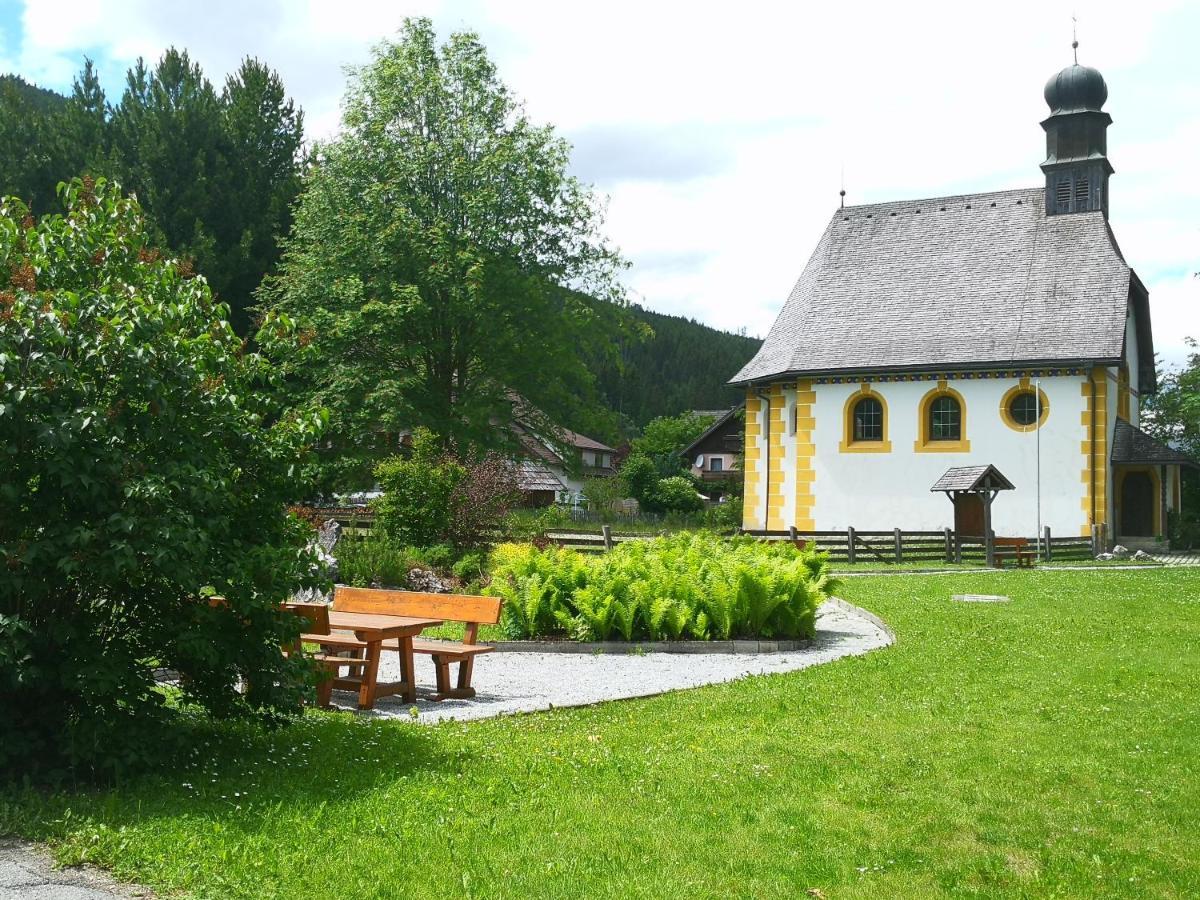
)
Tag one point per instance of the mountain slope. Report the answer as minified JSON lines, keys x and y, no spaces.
{"x":685,"y":365}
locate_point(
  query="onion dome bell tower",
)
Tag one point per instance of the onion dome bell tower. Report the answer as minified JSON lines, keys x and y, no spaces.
{"x":1076,"y":165}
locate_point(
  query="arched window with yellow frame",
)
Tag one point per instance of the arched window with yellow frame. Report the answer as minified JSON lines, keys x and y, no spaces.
{"x":865,"y":423}
{"x":942,"y":427}
{"x":1022,"y":409}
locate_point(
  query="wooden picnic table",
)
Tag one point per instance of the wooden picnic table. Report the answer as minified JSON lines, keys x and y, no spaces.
{"x":374,"y":629}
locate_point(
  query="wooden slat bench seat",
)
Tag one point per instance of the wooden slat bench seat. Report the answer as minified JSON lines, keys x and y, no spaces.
{"x":470,"y":610}
{"x":317,"y":616}
{"x":1017,"y":548}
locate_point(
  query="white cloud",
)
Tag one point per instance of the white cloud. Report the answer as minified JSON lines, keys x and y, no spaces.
{"x":720,"y":132}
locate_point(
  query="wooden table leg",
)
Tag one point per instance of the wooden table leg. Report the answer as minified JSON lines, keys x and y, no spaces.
{"x":407,"y":676}
{"x":366,"y":690}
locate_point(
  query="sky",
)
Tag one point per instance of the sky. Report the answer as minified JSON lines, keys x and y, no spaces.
{"x":721,"y":133}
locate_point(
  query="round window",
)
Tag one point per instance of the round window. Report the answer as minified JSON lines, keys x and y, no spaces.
{"x":1023,"y":408}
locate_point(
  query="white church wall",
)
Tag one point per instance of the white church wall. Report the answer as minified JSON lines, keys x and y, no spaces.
{"x":1131,"y":362}
{"x":874,"y":491}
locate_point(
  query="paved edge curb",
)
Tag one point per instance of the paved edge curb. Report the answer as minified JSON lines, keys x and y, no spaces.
{"x":626,"y":648}
{"x":866,"y":614}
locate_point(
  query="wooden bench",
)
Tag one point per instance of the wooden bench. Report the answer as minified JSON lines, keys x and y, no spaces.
{"x":470,"y":610}
{"x":1017,"y":548}
{"x":317,"y":632}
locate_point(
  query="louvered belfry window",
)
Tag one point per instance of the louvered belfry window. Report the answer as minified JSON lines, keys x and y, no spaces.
{"x":1062,"y":193}
{"x":1081,"y":193}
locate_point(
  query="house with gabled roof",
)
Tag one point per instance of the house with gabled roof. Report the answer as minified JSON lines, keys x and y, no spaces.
{"x":714,"y":455}
{"x":1002,"y":328}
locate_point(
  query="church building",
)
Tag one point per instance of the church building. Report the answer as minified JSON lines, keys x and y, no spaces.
{"x":1003,"y":329}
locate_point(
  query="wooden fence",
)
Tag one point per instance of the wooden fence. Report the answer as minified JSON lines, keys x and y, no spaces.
{"x":899,"y":546}
{"x":849,"y":546}
{"x":854,"y":546}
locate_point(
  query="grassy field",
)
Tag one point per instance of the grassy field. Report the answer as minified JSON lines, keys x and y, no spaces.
{"x":1047,"y":747}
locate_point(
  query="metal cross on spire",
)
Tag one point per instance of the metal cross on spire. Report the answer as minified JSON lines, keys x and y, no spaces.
{"x":1075,"y":37}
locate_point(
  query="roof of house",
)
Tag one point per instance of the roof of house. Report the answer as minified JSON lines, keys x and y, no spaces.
{"x":1132,"y":445}
{"x":716,"y":426}
{"x":972,"y":478}
{"x":957,"y":282}
{"x":533,"y":476}
{"x":583,"y":442}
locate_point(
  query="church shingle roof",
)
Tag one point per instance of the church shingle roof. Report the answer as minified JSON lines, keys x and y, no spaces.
{"x":1132,"y":445}
{"x":956,"y":282}
{"x":972,"y":478}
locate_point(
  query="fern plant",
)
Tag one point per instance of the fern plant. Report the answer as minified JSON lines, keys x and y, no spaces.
{"x":695,"y":585}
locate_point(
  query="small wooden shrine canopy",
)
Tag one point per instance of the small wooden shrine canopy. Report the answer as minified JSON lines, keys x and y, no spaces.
{"x":972,"y":489}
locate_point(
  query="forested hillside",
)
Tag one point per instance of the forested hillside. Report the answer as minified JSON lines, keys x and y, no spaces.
{"x":214,"y":168}
{"x":685,"y":365}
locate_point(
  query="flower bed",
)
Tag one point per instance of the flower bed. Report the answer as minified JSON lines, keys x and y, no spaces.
{"x":689,"y":586}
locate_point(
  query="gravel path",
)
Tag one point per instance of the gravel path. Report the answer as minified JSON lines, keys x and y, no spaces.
{"x":26,"y":871}
{"x":526,"y":682}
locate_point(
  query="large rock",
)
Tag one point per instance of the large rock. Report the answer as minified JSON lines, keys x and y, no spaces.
{"x":1141,"y":555}
{"x":1120,"y":552}
{"x":427,"y":581}
{"x":322,"y":546}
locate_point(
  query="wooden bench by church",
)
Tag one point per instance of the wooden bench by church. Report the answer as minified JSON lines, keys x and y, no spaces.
{"x":471,"y":611}
{"x":316,"y":616}
{"x":1017,"y":548}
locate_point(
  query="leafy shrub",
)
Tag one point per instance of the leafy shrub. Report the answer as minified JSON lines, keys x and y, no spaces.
{"x":432,"y":498}
{"x":529,"y":524}
{"x":605,"y":493}
{"x":378,"y":560}
{"x":470,"y":566}
{"x":690,"y":585}
{"x":724,"y":516}
{"x":663,"y":440}
{"x":678,"y":494}
{"x":374,"y":560}
{"x":675,"y":494}
{"x":142,"y":468}
{"x":415,"y":509}
{"x":641,"y":478}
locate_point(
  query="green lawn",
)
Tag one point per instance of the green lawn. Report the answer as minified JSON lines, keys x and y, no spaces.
{"x":868,"y":565}
{"x":1042,"y":748}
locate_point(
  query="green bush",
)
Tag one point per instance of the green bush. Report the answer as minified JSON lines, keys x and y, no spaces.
{"x":470,"y":567}
{"x":696,"y":586}
{"x":415,"y":509}
{"x":522,"y":525}
{"x":432,"y":498}
{"x":724,"y":516}
{"x":142,"y":469}
{"x":373,"y":560}
{"x":678,"y":494}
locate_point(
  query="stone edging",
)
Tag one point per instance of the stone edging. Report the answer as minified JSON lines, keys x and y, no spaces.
{"x":725,"y":647}
{"x":866,"y":614}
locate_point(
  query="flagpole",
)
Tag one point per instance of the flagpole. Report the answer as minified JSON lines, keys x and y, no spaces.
{"x":1037,"y":393}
